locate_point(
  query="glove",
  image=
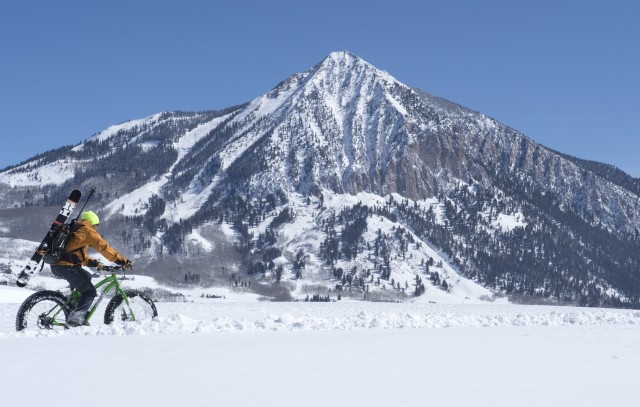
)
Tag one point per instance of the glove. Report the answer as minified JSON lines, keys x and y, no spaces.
{"x":126,"y":264}
{"x":95,"y":263}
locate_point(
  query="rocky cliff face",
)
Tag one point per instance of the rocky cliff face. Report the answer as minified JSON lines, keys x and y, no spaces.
{"x":348,"y":127}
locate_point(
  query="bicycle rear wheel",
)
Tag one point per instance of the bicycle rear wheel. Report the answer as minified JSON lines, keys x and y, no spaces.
{"x":140,"y":308}
{"x":43,"y":310}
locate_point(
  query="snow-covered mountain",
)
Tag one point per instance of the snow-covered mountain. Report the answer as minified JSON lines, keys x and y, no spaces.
{"x":342,"y":177}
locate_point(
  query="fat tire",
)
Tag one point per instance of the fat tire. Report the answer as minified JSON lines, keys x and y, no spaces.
{"x":116,"y":301}
{"x":32,"y":300}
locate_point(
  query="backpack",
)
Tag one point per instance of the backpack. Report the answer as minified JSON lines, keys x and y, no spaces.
{"x":57,"y":250}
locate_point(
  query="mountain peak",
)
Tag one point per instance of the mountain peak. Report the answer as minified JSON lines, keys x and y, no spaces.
{"x":343,"y":72}
{"x":346,"y":61}
{"x":343,"y":57}
{"x":338,"y":73}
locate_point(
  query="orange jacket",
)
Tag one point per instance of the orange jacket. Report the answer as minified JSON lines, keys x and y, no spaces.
{"x":83,"y":237}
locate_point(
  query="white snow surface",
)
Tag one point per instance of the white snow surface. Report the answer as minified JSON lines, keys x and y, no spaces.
{"x":507,"y":223}
{"x":239,"y":351}
{"x":56,"y":173}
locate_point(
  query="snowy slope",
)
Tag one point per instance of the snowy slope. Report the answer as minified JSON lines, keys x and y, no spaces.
{"x":52,"y":173}
{"x":305,"y":234}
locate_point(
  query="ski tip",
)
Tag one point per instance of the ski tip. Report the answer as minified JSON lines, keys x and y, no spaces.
{"x":75,"y":195}
{"x":21,"y":283}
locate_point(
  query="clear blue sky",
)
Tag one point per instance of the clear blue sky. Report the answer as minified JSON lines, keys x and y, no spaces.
{"x":565,"y":73}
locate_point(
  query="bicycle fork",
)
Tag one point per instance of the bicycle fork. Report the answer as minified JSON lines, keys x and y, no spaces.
{"x":126,"y":301}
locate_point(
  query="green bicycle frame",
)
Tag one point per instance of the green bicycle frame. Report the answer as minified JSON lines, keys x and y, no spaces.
{"x":110,"y":284}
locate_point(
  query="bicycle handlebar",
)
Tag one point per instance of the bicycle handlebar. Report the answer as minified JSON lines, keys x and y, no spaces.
{"x":113,"y":268}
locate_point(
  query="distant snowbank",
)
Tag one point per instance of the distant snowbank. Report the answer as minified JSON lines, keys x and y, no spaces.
{"x":220,"y":316}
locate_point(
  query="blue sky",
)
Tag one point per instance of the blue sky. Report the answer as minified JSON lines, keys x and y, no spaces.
{"x":565,"y":73}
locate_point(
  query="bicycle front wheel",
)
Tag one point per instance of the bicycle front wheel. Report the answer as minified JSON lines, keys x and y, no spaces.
{"x":43,"y":310}
{"x":140,"y":308}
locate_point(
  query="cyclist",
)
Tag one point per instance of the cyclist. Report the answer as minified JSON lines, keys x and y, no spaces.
{"x":70,"y":266}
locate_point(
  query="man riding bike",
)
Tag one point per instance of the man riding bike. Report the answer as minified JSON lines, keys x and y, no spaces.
{"x":75,"y":257}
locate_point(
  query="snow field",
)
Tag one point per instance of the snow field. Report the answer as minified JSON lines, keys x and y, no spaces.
{"x":239,"y":351}
{"x":532,"y":366}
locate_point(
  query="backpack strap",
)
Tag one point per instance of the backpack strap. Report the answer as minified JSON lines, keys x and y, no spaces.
{"x":69,"y":256}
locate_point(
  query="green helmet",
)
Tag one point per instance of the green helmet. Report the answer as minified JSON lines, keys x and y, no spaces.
{"x":90,"y":217}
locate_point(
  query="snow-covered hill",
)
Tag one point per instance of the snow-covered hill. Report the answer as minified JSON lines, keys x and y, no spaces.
{"x":346,"y":177}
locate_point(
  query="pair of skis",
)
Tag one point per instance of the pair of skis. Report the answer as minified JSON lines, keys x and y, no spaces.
{"x":56,"y":226}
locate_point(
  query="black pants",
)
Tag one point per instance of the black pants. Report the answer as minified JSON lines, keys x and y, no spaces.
{"x":80,"y":280}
